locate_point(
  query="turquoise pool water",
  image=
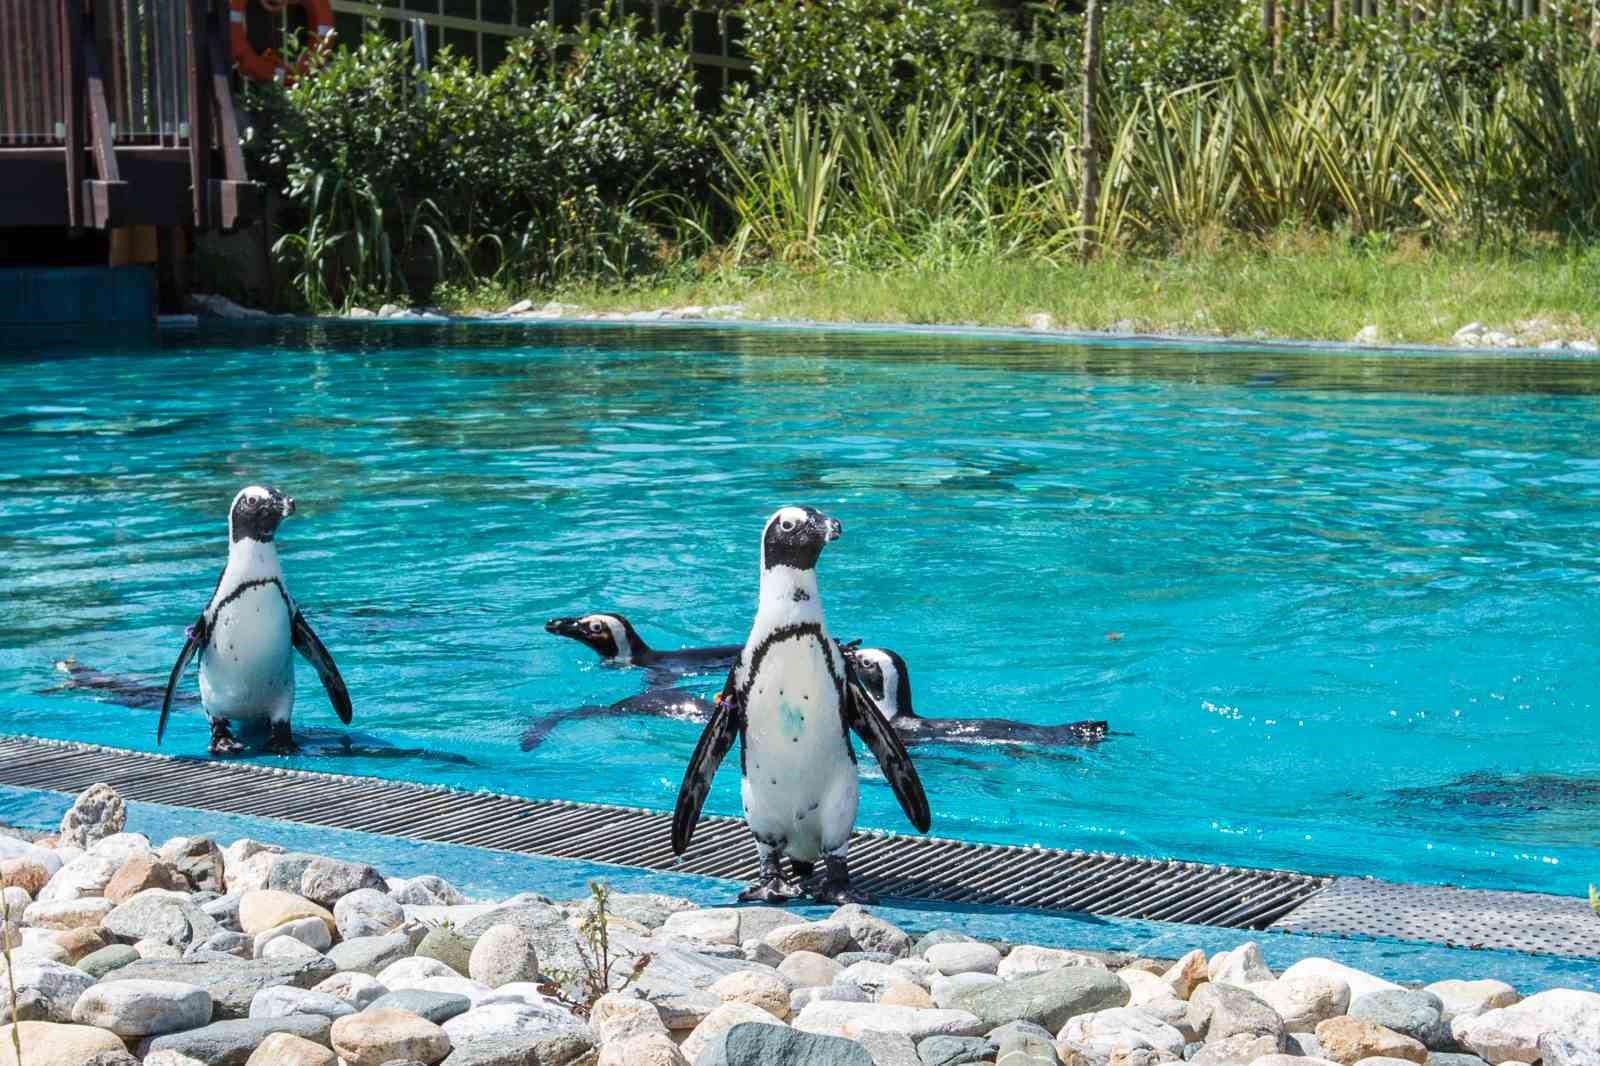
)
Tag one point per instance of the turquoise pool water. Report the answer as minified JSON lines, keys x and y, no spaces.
{"x":1342,"y":610}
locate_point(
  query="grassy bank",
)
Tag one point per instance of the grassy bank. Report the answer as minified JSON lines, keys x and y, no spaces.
{"x":1311,"y":288}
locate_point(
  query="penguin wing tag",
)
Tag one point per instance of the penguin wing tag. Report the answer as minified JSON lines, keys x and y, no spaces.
{"x":195,"y":638}
{"x":307,"y":644}
{"x":863,"y":716}
{"x":715,"y":742}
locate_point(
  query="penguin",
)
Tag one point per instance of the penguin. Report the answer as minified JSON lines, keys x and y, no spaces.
{"x":247,"y":633}
{"x":791,"y":701}
{"x":885,"y":678}
{"x":614,"y":639}
{"x":675,"y":703}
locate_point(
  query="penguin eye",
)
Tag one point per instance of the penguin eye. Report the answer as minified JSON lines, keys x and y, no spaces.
{"x":787,"y":525}
{"x":595,"y":627}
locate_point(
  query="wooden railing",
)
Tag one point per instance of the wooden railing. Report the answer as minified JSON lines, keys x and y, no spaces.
{"x":91,"y":85}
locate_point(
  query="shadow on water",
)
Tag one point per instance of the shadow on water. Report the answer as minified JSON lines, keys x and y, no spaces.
{"x":144,"y":693}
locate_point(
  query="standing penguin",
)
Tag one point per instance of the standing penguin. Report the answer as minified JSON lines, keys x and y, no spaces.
{"x":247,"y":632}
{"x":792,"y":700}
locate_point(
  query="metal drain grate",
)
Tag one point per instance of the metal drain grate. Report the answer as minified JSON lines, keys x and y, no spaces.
{"x":917,"y":868}
{"x":1458,"y":917}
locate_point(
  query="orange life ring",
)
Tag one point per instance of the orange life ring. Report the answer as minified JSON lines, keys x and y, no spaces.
{"x":269,"y":65}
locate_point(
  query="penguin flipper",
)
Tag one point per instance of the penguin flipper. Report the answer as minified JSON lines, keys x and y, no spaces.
{"x":307,"y":644}
{"x":715,"y":742}
{"x":863,"y":716}
{"x":194,"y":639}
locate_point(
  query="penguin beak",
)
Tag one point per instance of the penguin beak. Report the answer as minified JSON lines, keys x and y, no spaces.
{"x":561,"y":626}
{"x":831,"y":529}
{"x":288,"y":506}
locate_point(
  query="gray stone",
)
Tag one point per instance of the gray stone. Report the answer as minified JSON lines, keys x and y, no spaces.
{"x":848,"y":959}
{"x":1048,"y":999}
{"x":1442,"y":1058}
{"x":437,"y":1007}
{"x":358,"y":989}
{"x":370,"y":955}
{"x":284,"y":1001}
{"x":232,"y":982}
{"x":97,"y":813}
{"x":556,"y":1037}
{"x":230,"y":1043}
{"x":893,"y":1049}
{"x":200,"y":860}
{"x":160,"y":915}
{"x":755,"y":1044}
{"x":1419,"y":1015}
{"x":512,"y":1049}
{"x":143,"y":1008}
{"x":872,"y":933}
{"x":224,"y":910}
{"x":429,"y":890}
{"x":367,"y":912}
{"x":47,"y":991}
{"x":1306,"y":1045}
{"x":287,"y":869}
{"x":676,"y":981}
{"x":326,"y":881}
{"x":647,"y":908}
{"x":1235,"y":1049}
{"x":1217,"y":1012}
{"x":954,"y":1050}
{"x":225,"y":942}
{"x":799,"y":997}
{"x":449,"y":947}
{"x":503,"y":955}
{"x":1571,"y":1047}
{"x":1023,"y":1044}
{"x":756,"y":922}
{"x":555,"y":943}
{"x":99,"y":963}
{"x":940,"y":936}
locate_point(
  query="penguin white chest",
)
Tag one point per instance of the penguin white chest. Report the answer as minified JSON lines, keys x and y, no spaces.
{"x":799,"y":788}
{"x":247,"y":670}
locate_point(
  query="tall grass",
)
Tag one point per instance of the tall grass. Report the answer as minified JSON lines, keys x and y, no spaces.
{"x":1335,"y":147}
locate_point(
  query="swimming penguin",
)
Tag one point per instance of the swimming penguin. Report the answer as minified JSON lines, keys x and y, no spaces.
{"x":245,"y":635}
{"x":614,"y":639}
{"x":884,"y":676}
{"x":677,"y":703}
{"x":791,"y":701}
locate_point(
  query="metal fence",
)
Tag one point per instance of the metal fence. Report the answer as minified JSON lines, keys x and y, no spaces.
{"x":140,"y":58}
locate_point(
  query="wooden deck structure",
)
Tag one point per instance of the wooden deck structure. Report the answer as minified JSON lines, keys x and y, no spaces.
{"x":118,"y":113}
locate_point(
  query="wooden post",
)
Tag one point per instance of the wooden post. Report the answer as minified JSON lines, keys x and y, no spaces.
{"x":199,"y":108}
{"x":1338,"y":17}
{"x":72,"y":106}
{"x":1278,"y":16}
{"x":1089,"y":194}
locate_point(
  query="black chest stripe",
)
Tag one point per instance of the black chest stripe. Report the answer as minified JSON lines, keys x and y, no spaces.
{"x":245,"y":586}
{"x":789,"y":632}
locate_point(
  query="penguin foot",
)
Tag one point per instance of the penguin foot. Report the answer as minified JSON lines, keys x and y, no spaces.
{"x":833,"y":884}
{"x":772,"y":890}
{"x":222,"y":742}
{"x":282,"y":741}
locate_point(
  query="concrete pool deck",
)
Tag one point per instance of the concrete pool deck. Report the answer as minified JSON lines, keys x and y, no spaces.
{"x":1402,"y":932}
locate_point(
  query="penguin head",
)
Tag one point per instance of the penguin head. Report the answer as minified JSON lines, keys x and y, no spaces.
{"x":256,"y":512}
{"x":795,"y":537}
{"x":611,"y":636}
{"x":883,"y":674}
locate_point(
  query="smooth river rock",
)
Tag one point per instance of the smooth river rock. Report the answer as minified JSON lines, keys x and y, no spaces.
{"x":143,"y":1007}
{"x":232,"y":983}
{"x":850,"y":1019}
{"x":1049,"y":999}
{"x":230,"y":1043}
{"x":375,"y":1037}
{"x":761,"y":1044}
